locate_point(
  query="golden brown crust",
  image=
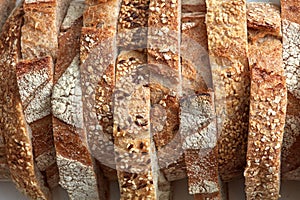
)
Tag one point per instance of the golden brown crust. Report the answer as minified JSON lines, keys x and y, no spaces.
{"x":268,"y":101}
{"x":16,"y":131}
{"x":70,"y":145}
{"x":228,"y":59}
{"x":267,"y":118}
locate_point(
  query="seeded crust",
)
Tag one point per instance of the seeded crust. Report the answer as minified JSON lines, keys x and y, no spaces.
{"x":136,"y":160}
{"x":165,"y":80}
{"x":268,"y":101}
{"x":228,"y":59}
{"x":17,"y":132}
{"x":132,"y":24}
{"x":6,"y":6}
{"x":267,"y":118}
{"x":291,"y":50}
{"x":98,"y":39}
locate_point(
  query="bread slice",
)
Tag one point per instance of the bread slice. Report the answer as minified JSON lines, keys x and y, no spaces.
{"x":98,"y":38}
{"x":163,"y":49}
{"x":290,"y":40}
{"x":136,"y":160}
{"x":197,"y":117}
{"x":39,"y":50}
{"x":17,"y":132}
{"x":6,"y":6}
{"x":80,"y":180}
{"x":268,"y":101}
{"x":230,"y":72}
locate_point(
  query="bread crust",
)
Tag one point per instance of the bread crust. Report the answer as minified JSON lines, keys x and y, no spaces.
{"x":98,"y":38}
{"x":16,"y":131}
{"x":228,"y":59}
{"x":268,"y":101}
{"x":132,"y":25}
{"x":136,"y":160}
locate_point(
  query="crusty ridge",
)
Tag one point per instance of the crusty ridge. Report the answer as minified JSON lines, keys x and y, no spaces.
{"x":16,"y":131}
{"x":290,"y":41}
{"x":228,"y":59}
{"x":268,"y":101}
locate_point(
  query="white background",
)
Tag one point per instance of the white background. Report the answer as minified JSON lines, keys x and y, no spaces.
{"x":290,"y":190}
